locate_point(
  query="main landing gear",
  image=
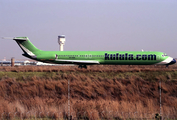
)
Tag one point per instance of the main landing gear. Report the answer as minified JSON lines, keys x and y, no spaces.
{"x":82,"y":66}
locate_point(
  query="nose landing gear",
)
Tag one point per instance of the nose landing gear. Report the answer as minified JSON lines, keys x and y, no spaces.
{"x":166,"y":66}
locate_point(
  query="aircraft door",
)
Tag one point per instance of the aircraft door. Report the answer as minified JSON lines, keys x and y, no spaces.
{"x":56,"y":56}
{"x":158,"y":58}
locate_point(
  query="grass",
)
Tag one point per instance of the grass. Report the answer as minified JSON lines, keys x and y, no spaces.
{"x":98,"y":92}
{"x":148,"y":76}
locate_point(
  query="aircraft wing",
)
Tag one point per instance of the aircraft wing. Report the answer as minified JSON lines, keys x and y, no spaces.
{"x":79,"y":61}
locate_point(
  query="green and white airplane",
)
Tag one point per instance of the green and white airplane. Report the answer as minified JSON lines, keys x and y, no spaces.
{"x":83,"y":58}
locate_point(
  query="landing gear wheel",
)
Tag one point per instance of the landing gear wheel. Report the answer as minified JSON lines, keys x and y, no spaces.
{"x":85,"y":66}
{"x":82,"y":66}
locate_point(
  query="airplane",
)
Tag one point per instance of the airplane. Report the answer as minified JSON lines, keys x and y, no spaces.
{"x":84,"y":58}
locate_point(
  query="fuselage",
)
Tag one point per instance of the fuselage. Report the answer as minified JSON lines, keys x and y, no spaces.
{"x":106,"y":57}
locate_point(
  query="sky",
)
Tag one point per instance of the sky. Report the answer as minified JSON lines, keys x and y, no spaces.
{"x":89,"y":25}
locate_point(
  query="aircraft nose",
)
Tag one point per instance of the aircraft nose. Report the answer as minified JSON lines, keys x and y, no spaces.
{"x":173,"y":61}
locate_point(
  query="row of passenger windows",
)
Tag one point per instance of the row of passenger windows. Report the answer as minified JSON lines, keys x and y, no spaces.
{"x":81,"y":56}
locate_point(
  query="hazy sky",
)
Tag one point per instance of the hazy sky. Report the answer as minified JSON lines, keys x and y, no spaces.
{"x":90,"y":25}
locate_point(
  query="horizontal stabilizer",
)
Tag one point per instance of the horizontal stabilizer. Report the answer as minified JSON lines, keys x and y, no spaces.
{"x":10,"y":38}
{"x":20,"y":38}
{"x":16,"y":38}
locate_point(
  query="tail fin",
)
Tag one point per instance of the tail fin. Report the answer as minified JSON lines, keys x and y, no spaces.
{"x":28,"y":48}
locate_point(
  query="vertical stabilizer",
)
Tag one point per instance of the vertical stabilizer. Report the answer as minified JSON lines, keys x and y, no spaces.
{"x":28,"y":48}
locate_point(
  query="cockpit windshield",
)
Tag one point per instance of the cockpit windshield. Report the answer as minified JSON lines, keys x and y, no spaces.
{"x":164,"y":55}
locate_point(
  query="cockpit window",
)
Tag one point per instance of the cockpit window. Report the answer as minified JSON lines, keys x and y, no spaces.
{"x":164,"y":55}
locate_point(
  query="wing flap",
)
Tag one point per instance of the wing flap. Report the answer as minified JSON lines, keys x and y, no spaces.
{"x":79,"y":61}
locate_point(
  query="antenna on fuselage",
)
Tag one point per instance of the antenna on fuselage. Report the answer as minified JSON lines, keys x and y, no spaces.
{"x":61,"y":41}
